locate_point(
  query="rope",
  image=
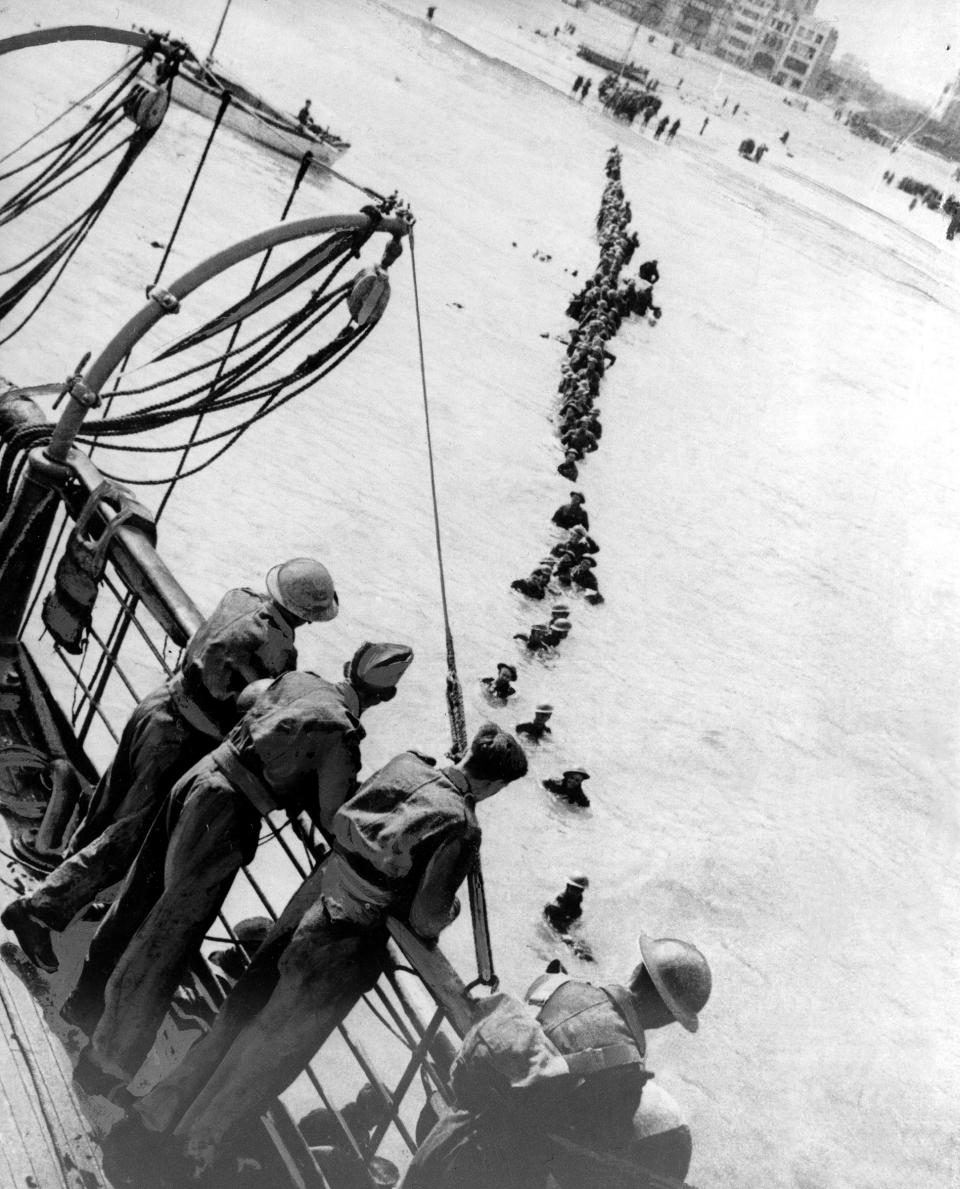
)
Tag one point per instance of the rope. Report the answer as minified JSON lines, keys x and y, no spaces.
{"x":61,"y":248}
{"x":458,"y":725}
{"x":66,"y":111}
{"x":221,"y":112}
{"x":455,"y":708}
{"x":165,"y":498}
{"x":269,"y":407}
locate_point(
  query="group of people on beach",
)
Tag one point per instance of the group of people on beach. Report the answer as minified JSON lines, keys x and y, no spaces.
{"x":626,"y":102}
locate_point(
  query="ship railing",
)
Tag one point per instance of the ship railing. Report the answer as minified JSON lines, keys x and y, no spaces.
{"x":402,"y":1036}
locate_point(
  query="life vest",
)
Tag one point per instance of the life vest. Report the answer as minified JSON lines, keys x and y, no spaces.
{"x":510,"y":1049}
{"x":68,"y":607}
{"x":594,"y":1027}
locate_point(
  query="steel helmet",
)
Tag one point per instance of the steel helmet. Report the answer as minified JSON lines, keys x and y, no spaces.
{"x":304,"y":587}
{"x":379,"y":666}
{"x":681,"y":975}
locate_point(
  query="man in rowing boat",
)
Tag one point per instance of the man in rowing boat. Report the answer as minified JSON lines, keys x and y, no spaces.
{"x":249,"y":636}
{"x":297,"y":748}
{"x":402,"y":845}
{"x":554,"y":1087}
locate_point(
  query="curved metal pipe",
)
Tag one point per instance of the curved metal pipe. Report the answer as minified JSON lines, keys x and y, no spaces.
{"x":123,"y":341}
{"x":35,"y":37}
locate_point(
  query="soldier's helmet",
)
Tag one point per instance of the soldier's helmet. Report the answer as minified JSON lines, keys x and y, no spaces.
{"x":304,"y":587}
{"x":681,"y":975}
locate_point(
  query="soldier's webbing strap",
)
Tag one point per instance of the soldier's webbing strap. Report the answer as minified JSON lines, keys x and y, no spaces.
{"x":626,"y":1005}
{"x":585,"y":1062}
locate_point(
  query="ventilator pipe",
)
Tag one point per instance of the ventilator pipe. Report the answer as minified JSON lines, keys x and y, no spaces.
{"x":38,"y":37}
{"x":26,"y":528}
{"x":123,"y":342}
{"x":65,"y":790}
{"x":43,"y":847}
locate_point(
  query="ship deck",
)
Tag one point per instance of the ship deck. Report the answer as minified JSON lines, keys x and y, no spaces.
{"x":48,"y":1130}
{"x":49,"y":1133}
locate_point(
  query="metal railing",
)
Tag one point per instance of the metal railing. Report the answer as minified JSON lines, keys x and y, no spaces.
{"x":408,"y":1024}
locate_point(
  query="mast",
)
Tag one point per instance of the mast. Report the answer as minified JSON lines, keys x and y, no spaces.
{"x":216,"y":36}
{"x":626,"y":56}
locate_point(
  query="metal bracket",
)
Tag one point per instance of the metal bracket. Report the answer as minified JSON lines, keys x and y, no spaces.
{"x":164,"y":299}
{"x":77,"y":390}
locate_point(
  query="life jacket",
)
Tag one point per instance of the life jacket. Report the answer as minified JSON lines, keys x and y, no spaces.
{"x":509,"y":1049}
{"x":68,"y":607}
{"x":594,"y":1027}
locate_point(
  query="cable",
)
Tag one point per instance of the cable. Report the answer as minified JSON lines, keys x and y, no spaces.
{"x":455,"y":708}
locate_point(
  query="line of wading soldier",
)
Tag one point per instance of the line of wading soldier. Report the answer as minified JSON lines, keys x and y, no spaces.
{"x":599,"y":309}
{"x":515,"y":1123}
{"x":551,"y":1087}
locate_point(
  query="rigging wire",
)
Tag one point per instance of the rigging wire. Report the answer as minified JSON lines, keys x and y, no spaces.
{"x":455,"y":708}
{"x":66,"y":111}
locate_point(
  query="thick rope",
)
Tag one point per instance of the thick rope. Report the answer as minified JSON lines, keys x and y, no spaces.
{"x":455,"y":708}
{"x":218,"y":119}
{"x":73,"y":106}
{"x":165,"y":498}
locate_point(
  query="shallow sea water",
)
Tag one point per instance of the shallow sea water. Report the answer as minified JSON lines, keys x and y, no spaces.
{"x":767,"y":701}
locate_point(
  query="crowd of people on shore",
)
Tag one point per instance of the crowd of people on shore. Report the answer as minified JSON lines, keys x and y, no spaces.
{"x":627,"y":102}
{"x":239,"y":733}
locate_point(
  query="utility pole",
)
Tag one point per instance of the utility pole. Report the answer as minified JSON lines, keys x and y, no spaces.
{"x":626,"y":56}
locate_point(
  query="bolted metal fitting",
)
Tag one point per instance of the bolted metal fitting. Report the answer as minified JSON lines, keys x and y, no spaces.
{"x":164,"y":299}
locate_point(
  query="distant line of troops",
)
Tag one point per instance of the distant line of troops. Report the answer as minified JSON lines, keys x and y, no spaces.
{"x":599,"y":309}
{"x":239,"y":732}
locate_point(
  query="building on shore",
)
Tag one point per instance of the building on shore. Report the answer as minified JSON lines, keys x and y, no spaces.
{"x":699,"y":23}
{"x":785,"y":43}
{"x":781,"y":40}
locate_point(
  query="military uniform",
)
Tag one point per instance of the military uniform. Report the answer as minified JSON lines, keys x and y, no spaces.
{"x":297,"y":747}
{"x":246,"y":638}
{"x":402,"y":844}
{"x":513,"y":1100}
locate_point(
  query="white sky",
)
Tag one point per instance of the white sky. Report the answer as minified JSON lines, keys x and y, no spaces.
{"x":912,"y":46}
